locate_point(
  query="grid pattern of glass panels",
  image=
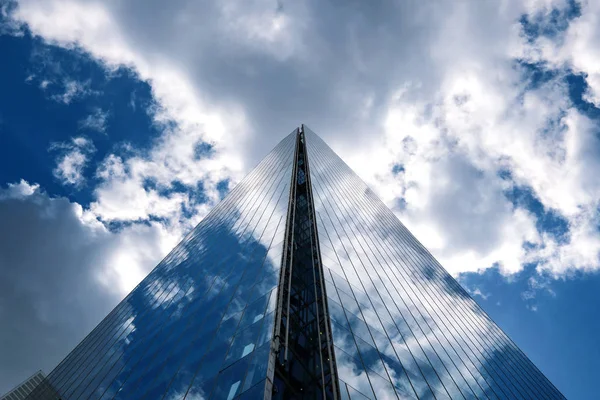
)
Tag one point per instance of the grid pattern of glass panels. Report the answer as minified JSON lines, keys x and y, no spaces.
{"x":200,"y":325}
{"x":402,"y":326}
{"x":25,"y":388}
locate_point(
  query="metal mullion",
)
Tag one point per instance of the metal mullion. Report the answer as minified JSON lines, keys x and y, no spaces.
{"x":363,"y":318}
{"x":365,"y":291}
{"x":298,"y":262}
{"x":323,"y":297}
{"x":379,"y":317}
{"x":519,"y":362}
{"x":106,"y":346}
{"x":255,"y":176}
{"x":292,"y":231}
{"x":274,"y":191}
{"x":253,"y":353}
{"x":187,"y":306}
{"x":103,"y":340}
{"x":173,"y":286}
{"x":233,"y":294}
{"x":400,"y":312}
{"x":253,"y":198}
{"x":208,"y":290}
{"x":187,"y":324}
{"x":256,"y":195}
{"x":83,"y":343}
{"x":483,"y":348}
{"x":275,"y":347}
{"x":429,"y":327}
{"x":360,"y":355}
{"x":110,"y":323}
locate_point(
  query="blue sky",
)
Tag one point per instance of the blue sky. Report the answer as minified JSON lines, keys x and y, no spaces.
{"x":121,"y":125}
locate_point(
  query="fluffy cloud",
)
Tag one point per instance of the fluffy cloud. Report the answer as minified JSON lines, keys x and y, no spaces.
{"x":488,"y":117}
{"x":453,"y":153}
{"x":439,"y":113}
{"x":72,"y":159}
{"x":575,"y":46}
{"x":187,"y":120}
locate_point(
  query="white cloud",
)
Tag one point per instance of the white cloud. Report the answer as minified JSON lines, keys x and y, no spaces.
{"x":424,"y":89}
{"x":478,"y":292}
{"x":55,"y":78}
{"x":577,"y":48}
{"x":124,"y":196}
{"x":95,"y":121}
{"x":73,"y":158}
{"x":72,"y":90}
{"x":18,"y":190}
{"x":482,"y":120}
{"x":9,"y":26}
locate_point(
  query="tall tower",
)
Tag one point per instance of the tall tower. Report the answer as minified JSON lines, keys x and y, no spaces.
{"x":300,"y":284}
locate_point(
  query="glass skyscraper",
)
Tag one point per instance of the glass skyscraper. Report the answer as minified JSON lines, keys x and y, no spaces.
{"x":300,"y":284}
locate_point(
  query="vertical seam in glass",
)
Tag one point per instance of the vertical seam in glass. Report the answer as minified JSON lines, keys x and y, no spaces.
{"x":277,"y":366}
{"x":315,"y":237}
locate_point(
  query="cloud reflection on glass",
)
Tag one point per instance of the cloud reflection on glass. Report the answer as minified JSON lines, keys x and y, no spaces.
{"x":200,"y":322}
{"x":397,"y":315}
{"x":200,"y":326}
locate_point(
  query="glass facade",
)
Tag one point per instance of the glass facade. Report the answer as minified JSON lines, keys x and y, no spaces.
{"x":299,"y":284}
{"x":402,"y":326}
{"x":25,"y":388}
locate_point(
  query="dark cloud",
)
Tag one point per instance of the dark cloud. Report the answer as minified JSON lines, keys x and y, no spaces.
{"x":52,"y":266}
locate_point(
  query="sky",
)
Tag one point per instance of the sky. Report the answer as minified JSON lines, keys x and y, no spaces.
{"x":477,"y":122}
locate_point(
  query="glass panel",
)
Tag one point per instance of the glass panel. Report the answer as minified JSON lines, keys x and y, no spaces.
{"x":258,"y":366}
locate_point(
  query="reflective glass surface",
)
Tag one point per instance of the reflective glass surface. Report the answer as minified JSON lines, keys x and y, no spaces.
{"x":300,"y":277}
{"x":200,"y":324}
{"x":402,"y":326}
